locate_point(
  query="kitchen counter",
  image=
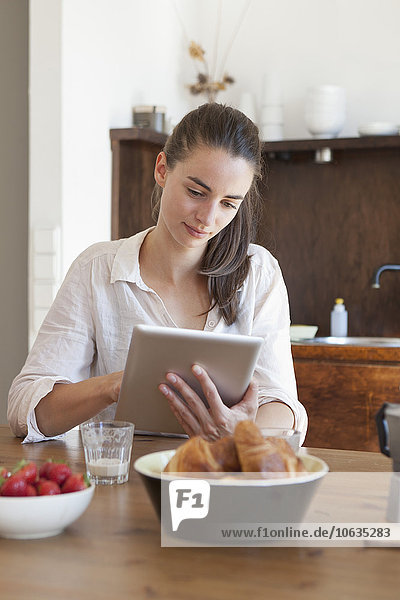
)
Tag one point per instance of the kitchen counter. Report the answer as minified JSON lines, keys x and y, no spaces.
{"x":342,"y":388}
{"x":113,"y":550}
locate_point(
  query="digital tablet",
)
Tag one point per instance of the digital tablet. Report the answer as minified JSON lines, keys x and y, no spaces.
{"x":229,"y":359}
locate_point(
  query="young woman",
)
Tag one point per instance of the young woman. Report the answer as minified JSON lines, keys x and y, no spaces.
{"x":196,"y":269}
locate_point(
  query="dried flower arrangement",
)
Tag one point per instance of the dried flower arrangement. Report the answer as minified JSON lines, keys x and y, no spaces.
{"x":207,"y":81}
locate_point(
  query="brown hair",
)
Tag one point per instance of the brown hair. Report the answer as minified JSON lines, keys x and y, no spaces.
{"x":226,"y":262}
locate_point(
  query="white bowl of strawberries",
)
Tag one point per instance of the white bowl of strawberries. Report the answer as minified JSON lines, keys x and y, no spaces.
{"x":41,"y":502}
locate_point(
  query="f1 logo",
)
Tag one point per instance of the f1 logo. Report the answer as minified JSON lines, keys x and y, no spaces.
{"x":188,"y":499}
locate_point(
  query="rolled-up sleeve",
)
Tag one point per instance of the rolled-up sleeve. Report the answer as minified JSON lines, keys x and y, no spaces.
{"x":62,"y":353}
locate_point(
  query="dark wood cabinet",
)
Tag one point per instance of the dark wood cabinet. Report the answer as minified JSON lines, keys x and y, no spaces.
{"x":134,"y":152}
{"x":342,"y":388}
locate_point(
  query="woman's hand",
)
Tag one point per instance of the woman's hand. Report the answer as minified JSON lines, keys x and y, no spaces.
{"x":113,"y":381}
{"x":214,"y":422}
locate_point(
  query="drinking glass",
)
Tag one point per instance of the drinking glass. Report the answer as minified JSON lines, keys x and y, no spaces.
{"x":107,"y":446}
{"x":292,"y":436}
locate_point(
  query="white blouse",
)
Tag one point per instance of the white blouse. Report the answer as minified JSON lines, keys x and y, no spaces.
{"x":88,"y":329}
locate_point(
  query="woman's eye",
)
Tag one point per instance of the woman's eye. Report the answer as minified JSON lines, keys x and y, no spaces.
{"x":230,"y":205}
{"x":195,"y":193}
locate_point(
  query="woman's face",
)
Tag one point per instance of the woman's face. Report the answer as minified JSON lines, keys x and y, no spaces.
{"x":202,"y":194}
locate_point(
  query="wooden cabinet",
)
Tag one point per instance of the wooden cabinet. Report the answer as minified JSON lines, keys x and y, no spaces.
{"x":342,"y":387}
{"x":134,"y":152}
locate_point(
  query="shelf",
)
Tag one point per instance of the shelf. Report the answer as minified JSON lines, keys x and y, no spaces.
{"x":308,"y":145}
{"x":139,"y":134}
{"x":358,"y":143}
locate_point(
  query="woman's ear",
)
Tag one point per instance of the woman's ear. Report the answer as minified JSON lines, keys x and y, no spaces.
{"x":160,"y":169}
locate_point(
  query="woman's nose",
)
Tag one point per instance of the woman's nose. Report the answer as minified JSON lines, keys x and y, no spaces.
{"x":206,"y":213}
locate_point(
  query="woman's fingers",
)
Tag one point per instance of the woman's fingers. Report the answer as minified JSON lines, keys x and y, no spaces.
{"x":216,"y":421}
{"x":206,"y":426}
{"x":223,"y":417}
{"x":189,"y":395}
{"x":183,"y":414}
{"x":209,"y":389}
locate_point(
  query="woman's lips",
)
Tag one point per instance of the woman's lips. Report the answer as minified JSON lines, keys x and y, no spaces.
{"x":195,"y":232}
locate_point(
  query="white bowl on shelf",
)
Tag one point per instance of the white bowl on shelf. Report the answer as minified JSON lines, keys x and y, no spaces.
{"x":324,"y":124}
{"x":303,"y":332}
{"x":378,"y":128}
{"x":325,"y":110}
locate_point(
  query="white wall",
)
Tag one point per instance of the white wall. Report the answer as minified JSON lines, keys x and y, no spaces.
{"x":115,"y":54}
{"x":92,"y":60}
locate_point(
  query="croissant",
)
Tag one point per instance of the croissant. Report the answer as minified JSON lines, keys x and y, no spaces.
{"x":197,"y":456}
{"x":264,"y":455}
{"x":245,"y":451}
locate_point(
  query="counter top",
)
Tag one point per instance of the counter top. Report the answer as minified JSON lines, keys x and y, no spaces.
{"x":346,"y":353}
{"x":113,"y":550}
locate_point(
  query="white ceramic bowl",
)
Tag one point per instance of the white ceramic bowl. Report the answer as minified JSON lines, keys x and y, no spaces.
{"x":324,"y":126}
{"x":41,"y":516}
{"x":378,"y":128}
{"x":303,"y":332}
{"x":252,"y":500}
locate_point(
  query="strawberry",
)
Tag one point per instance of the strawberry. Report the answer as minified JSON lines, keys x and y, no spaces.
{"x":31,"y":490}
{"x":15,"y":485}
{"x":27,"y":470}
{"x":75,"y":483}
{"x":58,"y":472}
{"x":48,"y":488}
{"x":39,"y":481}
{"x":44,"y":468}
{"x":4,"y":473}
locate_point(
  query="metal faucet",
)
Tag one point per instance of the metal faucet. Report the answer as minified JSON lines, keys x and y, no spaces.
{"x":378,"y":272}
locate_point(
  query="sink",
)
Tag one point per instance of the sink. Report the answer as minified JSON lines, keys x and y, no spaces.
{"x":377,"y":342}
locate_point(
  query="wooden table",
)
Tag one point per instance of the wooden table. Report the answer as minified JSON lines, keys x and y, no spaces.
{"x":113,"y":550}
